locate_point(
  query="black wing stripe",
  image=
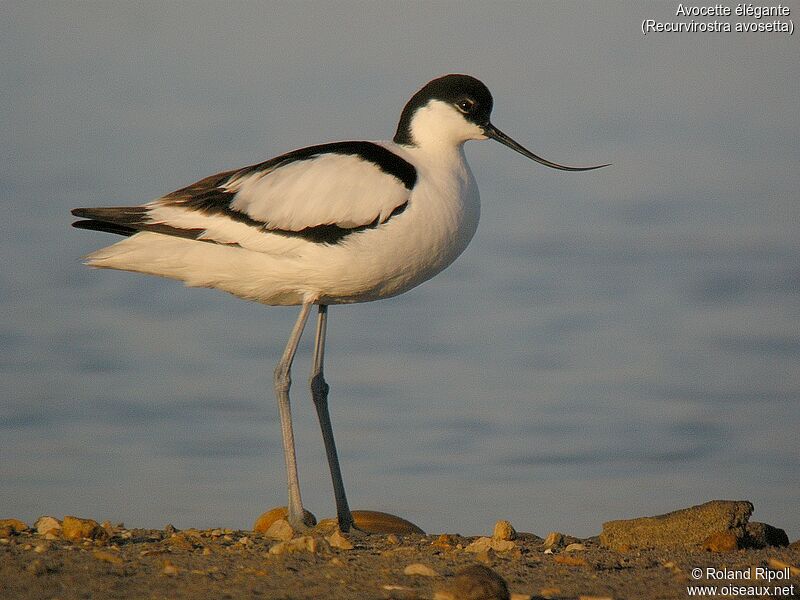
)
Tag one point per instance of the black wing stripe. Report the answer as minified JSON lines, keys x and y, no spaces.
{"x":130,"y":220}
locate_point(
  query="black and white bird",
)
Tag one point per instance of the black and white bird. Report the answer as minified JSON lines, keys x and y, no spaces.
{"x":335,"y":223}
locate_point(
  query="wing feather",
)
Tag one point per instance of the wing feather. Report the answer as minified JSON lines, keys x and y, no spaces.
{"x":321,"y":193}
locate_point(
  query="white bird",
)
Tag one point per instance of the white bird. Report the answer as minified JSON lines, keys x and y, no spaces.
{"x":336,"y":223}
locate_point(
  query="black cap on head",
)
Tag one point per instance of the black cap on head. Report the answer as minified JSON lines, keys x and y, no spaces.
{"x":466,"y":93}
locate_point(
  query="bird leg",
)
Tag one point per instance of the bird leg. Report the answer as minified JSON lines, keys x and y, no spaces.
{"x":283,"y":382}
{"x":319,"y":393}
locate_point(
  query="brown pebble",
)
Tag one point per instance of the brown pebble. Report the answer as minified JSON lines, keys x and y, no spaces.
{"x":47,"y":524}
{"x":73,"y":528}
{"x":392,"y":539}
{"x":722,"y":541}
{"x":485,"y":543}
{"x":476,"y":582}
{"x":337,"y":540}
{"x":554,"y":539}
{"x":280,"y":530}
{"x":304,"y":543}
{"x":13,"y":526}
{"x":503,"y":530}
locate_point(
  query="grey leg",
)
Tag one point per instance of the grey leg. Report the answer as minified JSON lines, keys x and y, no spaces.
{"x":319,"y":393}
{"x":283,"y":382}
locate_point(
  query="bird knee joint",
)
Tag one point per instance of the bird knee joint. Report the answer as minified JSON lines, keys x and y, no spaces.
{"x":282,"y":379}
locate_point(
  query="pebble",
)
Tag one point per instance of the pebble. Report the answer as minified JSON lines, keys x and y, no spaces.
{"x":73,"y":528}
{"x":392,"y":539}
{"x":304,"y":543}
{"x":485,"y":543}
{"x":337,"y":540}
{"x":474,"y":583}
{"x":10,"y":526}
{"x":575,"y":547}
{"x":419,"y":569}
{"x":553,"y":540}
{"x":279,"y":530}
{"x":503,"y":530}
{"x":46,"y":524}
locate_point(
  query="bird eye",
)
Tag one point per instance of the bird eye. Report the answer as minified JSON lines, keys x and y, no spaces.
{"x":465,"y":105}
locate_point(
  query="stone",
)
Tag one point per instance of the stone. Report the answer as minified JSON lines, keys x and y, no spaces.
{"x":373,"y":521}
{"x":280,"y":530}
{"x":575,"y":547}
{"x":73,"y":528}
{"x":304,"y":543}
{"x":485,"y":543}
{"x":419,"y":569}
{"x":761,"y":535}
{"x":47,"y":524}
{"x":685,"y":528}
{"x":503,"y":530}
{"x":337,"y":540}
{"x":721,"y":541}
{"x":554,"y":540}
{"x":12,"y":526}
{"x":265,"y":520}
{"x":475,"y":582}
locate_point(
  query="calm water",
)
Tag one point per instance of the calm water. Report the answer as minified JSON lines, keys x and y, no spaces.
{"x":612,"y":344}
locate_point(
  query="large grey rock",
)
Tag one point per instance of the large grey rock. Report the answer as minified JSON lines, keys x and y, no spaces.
{"x":679,"y":529}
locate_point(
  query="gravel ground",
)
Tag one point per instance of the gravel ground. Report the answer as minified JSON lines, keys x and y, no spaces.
{"x":155,"y":564}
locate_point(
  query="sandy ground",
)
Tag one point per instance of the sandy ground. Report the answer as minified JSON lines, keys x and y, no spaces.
{"x":155,"y":564}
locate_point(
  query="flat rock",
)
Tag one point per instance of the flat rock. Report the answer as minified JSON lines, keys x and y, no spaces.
{"x":483,"y":544}
{"x":685,"y":528}
{"x":304,"y":543}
